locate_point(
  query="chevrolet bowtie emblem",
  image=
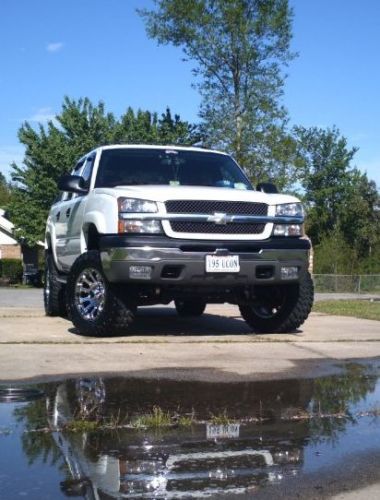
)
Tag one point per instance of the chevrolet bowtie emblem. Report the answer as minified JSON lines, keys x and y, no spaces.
{"x":219,"y":218}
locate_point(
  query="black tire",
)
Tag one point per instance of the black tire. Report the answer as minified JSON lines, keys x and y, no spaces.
{"x":280,"y":309}
{"x":54,"y":291}
{"x":112,"y":316}
{"x":190,"y":307}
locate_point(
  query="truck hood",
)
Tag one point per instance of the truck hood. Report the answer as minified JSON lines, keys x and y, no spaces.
{"x":165,"y":193}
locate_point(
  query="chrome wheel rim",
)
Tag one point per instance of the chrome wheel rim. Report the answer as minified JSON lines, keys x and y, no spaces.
{"x":90,"y":294}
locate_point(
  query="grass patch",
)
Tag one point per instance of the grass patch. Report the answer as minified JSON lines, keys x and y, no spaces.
{"x":155,"y":419}
{"x":186,"y":420}
{"x":159,"y":418}
{"x":221,"y":419}
{"x":356,"y":308}
{"x":82,"y":426}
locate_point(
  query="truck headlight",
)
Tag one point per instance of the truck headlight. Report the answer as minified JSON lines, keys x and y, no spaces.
{"x":137,"y":226}
{"x":135,"y":206}
{"x":290,"y":210}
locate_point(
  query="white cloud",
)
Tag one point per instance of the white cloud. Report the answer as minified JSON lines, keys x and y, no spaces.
{"x":54,"y":46}
{"x":8,"y":155}
{"x":42,"y":115}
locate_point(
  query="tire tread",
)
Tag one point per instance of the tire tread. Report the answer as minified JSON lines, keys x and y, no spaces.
{"x":303,"y":304}
{"x":116,"y":317}
{"x":56,"y":304}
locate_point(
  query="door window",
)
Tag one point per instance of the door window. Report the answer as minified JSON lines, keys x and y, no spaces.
{"x":87,"y":170}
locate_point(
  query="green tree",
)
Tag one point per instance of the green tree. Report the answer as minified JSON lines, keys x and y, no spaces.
{"x":175,"y":131}
{"x":240,"y":48}
{"x":52,"y":150}
{"x":5,"y":191}
{"x":342,"y":203}
{"x":145,"y":127}
{"x":325,"y":173}
{"x":360,"y":215}
{"x":371,"y":263}
{"x":333,"y":403}
{"x":333,"y":255}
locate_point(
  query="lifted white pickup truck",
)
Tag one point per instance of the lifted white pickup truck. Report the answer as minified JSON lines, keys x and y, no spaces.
{"x":142,"y":225}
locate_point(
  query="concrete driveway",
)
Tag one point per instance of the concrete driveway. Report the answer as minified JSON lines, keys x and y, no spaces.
{"x":33,"y":298}
{"x":216,"y":346}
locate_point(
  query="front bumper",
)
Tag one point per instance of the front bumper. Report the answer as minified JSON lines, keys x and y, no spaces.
{"x":182,"y":262}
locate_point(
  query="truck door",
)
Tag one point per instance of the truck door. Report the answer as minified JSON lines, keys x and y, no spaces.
{"x":69,"y":223}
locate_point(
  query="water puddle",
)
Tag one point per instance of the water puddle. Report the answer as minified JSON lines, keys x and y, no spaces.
{"x":102,"y":438}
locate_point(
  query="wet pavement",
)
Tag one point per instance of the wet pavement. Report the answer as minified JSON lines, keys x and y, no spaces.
{"x":102,"y":438}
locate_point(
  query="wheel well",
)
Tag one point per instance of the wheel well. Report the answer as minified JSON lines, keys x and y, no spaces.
{"x":92,"y":238}
{"x":48,"y":245}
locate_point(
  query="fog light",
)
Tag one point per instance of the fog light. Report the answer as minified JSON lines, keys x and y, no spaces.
{"x":140,"y":226}
{"x":289,"y":273}
{"x":140,"y":272}
{"x":288,"y":230}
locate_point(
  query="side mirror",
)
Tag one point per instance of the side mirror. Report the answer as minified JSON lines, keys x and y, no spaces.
{"x":267,"y":187}
{"x":72,"y":184}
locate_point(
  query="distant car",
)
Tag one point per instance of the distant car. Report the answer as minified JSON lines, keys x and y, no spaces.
{"x":32,"y":276}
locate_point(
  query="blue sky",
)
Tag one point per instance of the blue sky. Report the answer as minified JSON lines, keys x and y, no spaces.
{"x":99,"y":49}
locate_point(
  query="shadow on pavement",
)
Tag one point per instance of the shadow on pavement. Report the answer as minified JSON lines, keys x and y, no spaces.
{"x":164,"y":321}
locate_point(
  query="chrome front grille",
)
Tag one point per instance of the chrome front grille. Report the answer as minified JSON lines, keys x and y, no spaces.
{"x":212,"y":228}
{"x":212,"y":206}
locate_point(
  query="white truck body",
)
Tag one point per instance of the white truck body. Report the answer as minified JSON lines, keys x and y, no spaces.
{"x":203,"y":225}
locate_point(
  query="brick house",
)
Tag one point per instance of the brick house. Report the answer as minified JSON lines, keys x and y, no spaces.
{"x":9,"y":247}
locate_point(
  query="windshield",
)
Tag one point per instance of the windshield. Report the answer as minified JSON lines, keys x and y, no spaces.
{"x":171,"y":167}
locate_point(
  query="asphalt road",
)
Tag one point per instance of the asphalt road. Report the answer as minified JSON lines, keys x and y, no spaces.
{"x":216,"y":346}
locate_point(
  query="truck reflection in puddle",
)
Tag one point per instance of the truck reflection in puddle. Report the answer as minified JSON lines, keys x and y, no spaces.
{"x":242,"y":435}
{"x":182,"y":462}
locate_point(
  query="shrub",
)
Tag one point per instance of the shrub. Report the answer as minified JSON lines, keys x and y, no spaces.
{"x":11,"y":270}
{"x":334,"y":256}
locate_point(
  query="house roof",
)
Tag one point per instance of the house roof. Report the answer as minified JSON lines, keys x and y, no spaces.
{"x":6,"y":230}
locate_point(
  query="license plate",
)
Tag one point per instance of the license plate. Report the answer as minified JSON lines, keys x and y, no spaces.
{"x":228,"y":431}
{"x":222,"y":264}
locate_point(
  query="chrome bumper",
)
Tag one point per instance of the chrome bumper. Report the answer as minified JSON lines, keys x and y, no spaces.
{"x":191,"y":265}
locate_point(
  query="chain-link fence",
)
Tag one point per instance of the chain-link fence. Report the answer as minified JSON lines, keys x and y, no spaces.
{"x":347,"y":283}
